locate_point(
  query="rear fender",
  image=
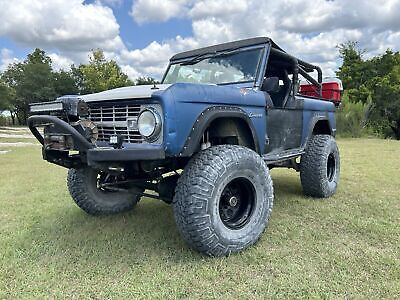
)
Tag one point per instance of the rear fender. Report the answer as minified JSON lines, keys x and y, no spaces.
{"x":319,"y":123}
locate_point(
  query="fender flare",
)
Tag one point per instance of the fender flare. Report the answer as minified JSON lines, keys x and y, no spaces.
{"x":314,"y":120}
{"x":204,"y":120}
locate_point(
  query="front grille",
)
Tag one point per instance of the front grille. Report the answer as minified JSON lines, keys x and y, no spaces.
{"x":114,"y":119}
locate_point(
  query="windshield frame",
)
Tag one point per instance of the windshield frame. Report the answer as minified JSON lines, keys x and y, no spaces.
{"x":260,"y":65}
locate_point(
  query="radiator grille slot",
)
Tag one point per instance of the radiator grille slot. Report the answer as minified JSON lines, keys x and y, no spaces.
{"x":113,"y":120}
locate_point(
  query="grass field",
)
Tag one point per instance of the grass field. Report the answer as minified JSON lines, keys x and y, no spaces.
{"x":344,"y":247}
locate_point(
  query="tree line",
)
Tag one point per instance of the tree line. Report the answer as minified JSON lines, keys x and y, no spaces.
{"x":371,"y":103}
{"x":34,"y":80}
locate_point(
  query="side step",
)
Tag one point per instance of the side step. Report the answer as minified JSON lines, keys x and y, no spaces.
{"x":279,"y":156}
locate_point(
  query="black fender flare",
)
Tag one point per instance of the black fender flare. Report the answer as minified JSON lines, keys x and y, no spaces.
{"x":317,"y":117}
{"x":204,"y":120}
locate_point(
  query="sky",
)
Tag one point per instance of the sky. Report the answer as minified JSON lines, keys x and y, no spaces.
{"x":141,"y":35}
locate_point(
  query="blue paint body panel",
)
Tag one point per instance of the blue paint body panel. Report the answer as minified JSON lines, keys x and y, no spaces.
{"x":183,"y":104}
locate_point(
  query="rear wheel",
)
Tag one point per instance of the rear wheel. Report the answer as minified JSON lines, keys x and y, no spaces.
{"x":223,"y":200}
{"x":320,"y":167}
{"x":93,"y":191}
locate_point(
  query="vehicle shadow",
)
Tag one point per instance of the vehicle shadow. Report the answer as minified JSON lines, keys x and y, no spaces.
{"x":286,"y":185}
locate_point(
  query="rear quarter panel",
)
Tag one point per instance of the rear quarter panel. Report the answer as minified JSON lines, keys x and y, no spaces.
{"x":313,"y":111}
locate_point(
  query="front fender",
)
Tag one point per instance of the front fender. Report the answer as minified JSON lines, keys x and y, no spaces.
{"x":183,"y":105}
{"x":206,"y":118}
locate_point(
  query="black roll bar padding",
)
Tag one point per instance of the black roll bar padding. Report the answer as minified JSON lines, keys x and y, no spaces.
{"x":301,"y":67}
{"x":312,"y":80}
{"x":296,"y":70}
{"x":309,"y":68}
{"x":40,"y":120}
{"x":306,"y":68}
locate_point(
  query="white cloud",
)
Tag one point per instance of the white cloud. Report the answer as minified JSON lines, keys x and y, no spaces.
{"x":157,"y":10}
{"x":68,"y":25}
{"x":112,"y":3}
{"x":6,"y":58}
{"x":310,"y":30}
{"x":153,"y":60}
{"x":130,"y":71}
{"x":217,"y":8}
{"x":60,"y":62}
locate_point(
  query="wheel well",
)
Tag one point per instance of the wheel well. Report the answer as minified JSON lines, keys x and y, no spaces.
{"x":234,"y":131}
{"x":322,"y":127}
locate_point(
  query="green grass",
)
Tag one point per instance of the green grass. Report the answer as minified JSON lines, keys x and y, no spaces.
{"x":18,"y":140}
{"x":344,"y":247}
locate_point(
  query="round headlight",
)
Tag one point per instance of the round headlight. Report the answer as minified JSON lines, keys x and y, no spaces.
{"x":149,"y":123}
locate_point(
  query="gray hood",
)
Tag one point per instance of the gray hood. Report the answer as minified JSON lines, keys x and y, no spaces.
{"x":129,"y":92}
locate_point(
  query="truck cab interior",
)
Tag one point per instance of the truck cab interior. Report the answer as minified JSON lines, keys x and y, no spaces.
{"x":278,"y":78}
{"x":286,"y":69}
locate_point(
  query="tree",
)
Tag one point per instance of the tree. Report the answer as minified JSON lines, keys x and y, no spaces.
{"x":354,"y":71}
{"x":65,"y":83}
{"x":7,"y":100}
{"x":352,"y":117}
{"x":143,"y":80}
{"x":375,"y":82}
{"x":6,"y":96}
{"x":386,"y":95}
{"x":99,"y":74}
{"x":32,"y":81}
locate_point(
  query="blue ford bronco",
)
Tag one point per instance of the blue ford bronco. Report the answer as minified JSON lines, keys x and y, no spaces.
{"x":204,"y":140}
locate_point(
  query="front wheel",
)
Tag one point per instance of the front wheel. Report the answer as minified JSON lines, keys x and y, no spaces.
{"x":223,"y":200}
{"x":320,"y":167}
{"x":92,"y":191}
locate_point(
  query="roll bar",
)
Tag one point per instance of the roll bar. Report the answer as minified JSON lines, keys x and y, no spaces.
{"x":301,"y":67}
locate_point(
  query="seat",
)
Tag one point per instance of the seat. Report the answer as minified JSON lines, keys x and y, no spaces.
{"x":270,"y":86}
{"x":279,"y":98}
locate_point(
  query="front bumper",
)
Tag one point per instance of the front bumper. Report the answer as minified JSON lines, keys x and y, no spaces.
{"x":135,"y":153}
{"x":91,"y":153}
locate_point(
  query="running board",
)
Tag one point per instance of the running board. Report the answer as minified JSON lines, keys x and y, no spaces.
{"x":271,"y":158}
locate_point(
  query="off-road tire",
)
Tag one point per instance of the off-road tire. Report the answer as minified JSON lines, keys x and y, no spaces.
{"x":197,"y":200}
{"x":82,"y":186}
{"x":320,"y":167}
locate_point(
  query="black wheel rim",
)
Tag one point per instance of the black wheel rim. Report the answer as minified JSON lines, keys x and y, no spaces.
{"x":331,"y":167}
{"x":236,"y":203}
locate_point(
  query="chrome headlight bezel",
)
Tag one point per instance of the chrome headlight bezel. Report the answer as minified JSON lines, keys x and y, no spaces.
{"x":149,"y":123}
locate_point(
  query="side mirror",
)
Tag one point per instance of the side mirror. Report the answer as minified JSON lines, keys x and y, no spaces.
{"x":271,"y":85}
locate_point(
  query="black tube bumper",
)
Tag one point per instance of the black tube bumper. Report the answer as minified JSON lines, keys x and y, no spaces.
{"x":94,"y":155}
{"x":133,"y":153}
{"x":59,"y":126}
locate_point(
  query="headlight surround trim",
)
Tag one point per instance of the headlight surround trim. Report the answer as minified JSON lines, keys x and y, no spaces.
{"x":152,"y":120}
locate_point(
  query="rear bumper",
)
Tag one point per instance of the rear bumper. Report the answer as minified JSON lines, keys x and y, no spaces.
{"x":93,"y":154}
